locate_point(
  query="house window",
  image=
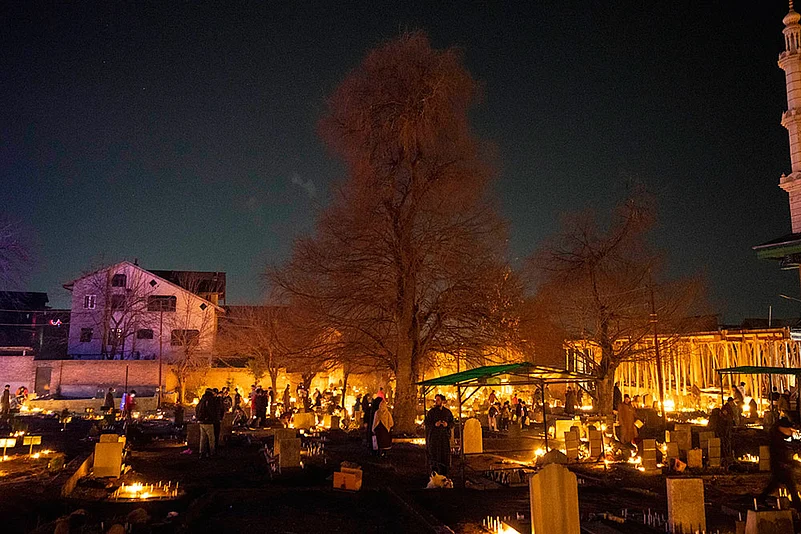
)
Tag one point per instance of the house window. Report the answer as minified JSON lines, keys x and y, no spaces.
{"x":157,"y":303}
{"x":86,"y":335}
{"x":144,"y":333}
{"x":114,"y":336}
{"x":89,"y":302}
{"x":117,"y":302}
{"x":118,"y":280}
{"x":184,"y":337}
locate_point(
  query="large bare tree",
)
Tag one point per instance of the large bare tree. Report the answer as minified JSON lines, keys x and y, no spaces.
{"x":595,"y":284}
{"x":409,"y":257}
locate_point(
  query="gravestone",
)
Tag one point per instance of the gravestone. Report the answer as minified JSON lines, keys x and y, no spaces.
{"x":764,"y":458}
{"x":109,"y":438}
{"x":327,"y":421}
{"x":108,"y":459}
{"x":649,"y":454}
{"x":227,"y":426}
{"x":647,"y":400}
{"x":473,"y":440}
{"x":334,"y":422}
{"x":279,"y":434}
{"x":572,"y":444}
{"x":695,"y":458}
{"x":769,"y":522}
{"x":596,"y":443}
{"x":686,"y":511}
{"x":304,"y":420}
{"x":193,"y":435}
{"x":563,"y":425}
{"x":553,"y":496}
{"x":290,"y":453}
{"x":672,"y":449}
{"x":682,"y":438}
{"x":704,"y":437}
{"x":713,"y":453}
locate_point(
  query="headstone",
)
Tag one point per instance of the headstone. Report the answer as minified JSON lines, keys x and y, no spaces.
{"x":682,"y":438}
{"x":672,"y":449}
{"x":193,"y":435}
{"x":695,"y":458}
{"x":334,"y":422}
{"x":647,"y":400}
{"x":596,"y":443}
{"x":764,"y":458}
{"x":562,"y":426}
{"x":572,"y":444}
{"x":290,"y":453}
{"x":713,"y":453}
{"x":108,"y":459}
{"x":769,"y":522}
{"x":649,"y":454}
{"x":280,"y":434}
{"x":109,"y":438}
{"x":304,"y":420}
{"x":348,"y":479}
{"x":227,"y":426}
{"x":553,"y":494}
{"x":473,"y":440}
{"x":327,"y":420}
{"x":686,"y":511}
{"x":704,"y":437}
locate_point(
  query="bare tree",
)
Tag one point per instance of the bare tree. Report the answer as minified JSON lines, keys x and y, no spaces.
{"x":13,"y":253}
{"x":595,"y":284}
{"x":408,"y":259}
{"x":193,"y":328}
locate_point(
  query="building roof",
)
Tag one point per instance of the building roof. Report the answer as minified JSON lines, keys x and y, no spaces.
{"x":760,"y":370}
{"x":785,"y":248}
{"x":517,"y":374}
{"x":23,"y":300}
{"x":198,"y":282}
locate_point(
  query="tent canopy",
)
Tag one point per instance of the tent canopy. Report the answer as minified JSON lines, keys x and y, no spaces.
{"x":516,"y":374}
{"x":760,"y":370}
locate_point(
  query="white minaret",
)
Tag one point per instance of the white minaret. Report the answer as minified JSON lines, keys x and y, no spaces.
{"x":790,"y":62}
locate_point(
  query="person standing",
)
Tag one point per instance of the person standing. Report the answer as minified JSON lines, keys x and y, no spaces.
{"x":219,"y":408}
{"x":287,"y":399}
{"x":260,"y":401}
{"x":367,"y":408}
{"x":438,"y":423}
{"x":617,"y":396}
{"x":382,"y":425}
{"x":206,"y":413}
{"x":570,"y":401}
{"x":271,"y":399}
{"x":5,"y":402}
{"x":492,"y":417}
{"x":108,"y":402}
{"x":626,"y":417}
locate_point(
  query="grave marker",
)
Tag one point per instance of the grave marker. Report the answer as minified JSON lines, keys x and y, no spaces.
{"x":473,"y":439}
{"x":304,"y":420}
{"x":769,"y":522}
{"x":764,"y":458}
{"x":596,"y":443}
{"x":686,"y":511}
{"x":553,"y":495}
{"x":649,"y":454}
{"x":713,"y":453}
{"x":280,"y":434}
{"x":108,"y":459}
{"x":572,"y":444}
{"x":695,"y":459}
{"x":290,"y":453}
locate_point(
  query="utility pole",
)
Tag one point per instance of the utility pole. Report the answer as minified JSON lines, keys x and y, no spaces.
{"x":661,"y":385}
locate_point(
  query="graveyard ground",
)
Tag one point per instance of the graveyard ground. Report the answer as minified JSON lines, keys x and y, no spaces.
{"x":236,"y":493}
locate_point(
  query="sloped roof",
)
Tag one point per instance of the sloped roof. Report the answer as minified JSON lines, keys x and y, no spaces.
{"x":760,"y":370}
{"x":518,"y":374}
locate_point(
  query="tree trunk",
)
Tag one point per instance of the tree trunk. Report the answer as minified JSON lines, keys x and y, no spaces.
{"x":605,"y":389}
{"x":405,"y":408}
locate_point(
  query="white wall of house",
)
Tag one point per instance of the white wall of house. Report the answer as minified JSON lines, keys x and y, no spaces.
{"x":135,"y":322}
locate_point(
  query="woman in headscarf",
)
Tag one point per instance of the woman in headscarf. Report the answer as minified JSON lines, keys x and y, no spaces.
{"x":382,"y":424}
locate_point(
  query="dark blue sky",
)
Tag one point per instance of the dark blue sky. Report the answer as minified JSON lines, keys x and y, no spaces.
{"x":183,"y":134}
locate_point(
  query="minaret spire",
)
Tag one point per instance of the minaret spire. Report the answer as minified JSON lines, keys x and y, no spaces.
{"x":790,"y":62}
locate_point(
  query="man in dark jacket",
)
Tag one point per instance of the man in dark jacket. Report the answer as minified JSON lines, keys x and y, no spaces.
{"x":438,"y":422}
{"x":781,"y":461}
{"x":207,"y":413}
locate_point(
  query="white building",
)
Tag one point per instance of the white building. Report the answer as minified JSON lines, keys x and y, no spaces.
{"x":126,"y":312}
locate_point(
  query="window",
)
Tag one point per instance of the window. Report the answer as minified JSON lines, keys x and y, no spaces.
{"x":89,"y":302}
{"x":144,"y":333}
{"x":114,"y":336}
{"x":118,"y":280}
{"x":184,"y":337}
{"x":86,"y":335}
{"x":117,"y":302}
{"x":161,"y":303}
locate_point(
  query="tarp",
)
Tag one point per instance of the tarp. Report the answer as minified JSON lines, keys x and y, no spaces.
{"x":519,"y":374}
{"x":760,"y":370}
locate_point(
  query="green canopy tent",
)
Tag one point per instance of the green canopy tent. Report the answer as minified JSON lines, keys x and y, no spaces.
{"x":764,"y":370}
{"x":510,"y":374}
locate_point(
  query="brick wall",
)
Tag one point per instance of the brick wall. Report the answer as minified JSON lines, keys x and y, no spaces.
{"x":17,"y":371}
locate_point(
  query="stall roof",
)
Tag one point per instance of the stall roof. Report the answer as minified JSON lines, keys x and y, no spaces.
{"x":519,"y":374}
{"x":760,"y":370}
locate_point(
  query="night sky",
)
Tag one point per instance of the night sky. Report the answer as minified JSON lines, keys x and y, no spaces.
{"x":184,"y":134}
